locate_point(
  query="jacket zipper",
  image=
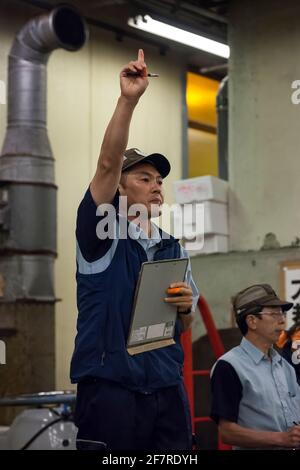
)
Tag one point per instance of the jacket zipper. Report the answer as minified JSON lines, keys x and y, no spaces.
{"x":102,"y":358}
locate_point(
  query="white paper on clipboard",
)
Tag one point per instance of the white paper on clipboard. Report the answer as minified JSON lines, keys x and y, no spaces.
{"x":153,"y":320}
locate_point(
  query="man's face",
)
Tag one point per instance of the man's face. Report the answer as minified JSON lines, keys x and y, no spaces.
{"x":143,"y":184}
{"x":270,"y":325}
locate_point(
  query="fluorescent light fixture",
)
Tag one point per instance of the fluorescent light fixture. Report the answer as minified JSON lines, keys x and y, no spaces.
{"x":148,"y":24}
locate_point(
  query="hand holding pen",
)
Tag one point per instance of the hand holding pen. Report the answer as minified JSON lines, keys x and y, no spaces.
{"x":134,"y":78}
{"x":294,"y":436}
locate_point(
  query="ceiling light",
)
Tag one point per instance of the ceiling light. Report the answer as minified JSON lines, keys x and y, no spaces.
{"x":148,"y":24}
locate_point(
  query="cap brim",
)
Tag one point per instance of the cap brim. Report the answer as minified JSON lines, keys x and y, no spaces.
{"x":278,"y":303}
{"x":159,"y":161}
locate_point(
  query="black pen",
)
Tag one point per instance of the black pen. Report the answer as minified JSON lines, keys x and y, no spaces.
{"x":137,"y":74}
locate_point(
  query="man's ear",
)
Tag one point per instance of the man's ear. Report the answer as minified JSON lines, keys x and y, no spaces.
{"x":251,"y":322}
{"x":122,"y":184}
{"x":121,"y":189}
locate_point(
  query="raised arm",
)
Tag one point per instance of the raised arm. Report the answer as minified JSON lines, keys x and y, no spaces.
{"x":105,"y":182}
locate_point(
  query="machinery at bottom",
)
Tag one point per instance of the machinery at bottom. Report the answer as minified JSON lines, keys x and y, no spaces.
{"x":47,"y":425}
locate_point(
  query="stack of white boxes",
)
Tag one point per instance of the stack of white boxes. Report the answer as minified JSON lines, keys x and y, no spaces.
{"x":211,"y":195}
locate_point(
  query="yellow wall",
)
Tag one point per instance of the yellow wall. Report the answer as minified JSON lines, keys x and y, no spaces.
{"x":203,"y":155}
{"x":82,"y":91}
{"x":201,"y":102}
{"x":201,"y":99}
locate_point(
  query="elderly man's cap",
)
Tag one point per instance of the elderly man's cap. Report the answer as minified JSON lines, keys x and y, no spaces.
{"x":134,"y":156}
{"x":255,"y":298}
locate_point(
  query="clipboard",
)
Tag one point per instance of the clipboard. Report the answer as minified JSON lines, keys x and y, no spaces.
{"x":153,"y":320}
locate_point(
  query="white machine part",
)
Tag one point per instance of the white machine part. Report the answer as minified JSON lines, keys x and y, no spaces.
{"x":32,"y":430}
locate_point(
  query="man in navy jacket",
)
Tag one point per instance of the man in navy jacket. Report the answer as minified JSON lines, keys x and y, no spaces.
{"x":123,"y":401}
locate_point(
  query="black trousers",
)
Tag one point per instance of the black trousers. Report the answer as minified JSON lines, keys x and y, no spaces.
{"x":110,"y":417}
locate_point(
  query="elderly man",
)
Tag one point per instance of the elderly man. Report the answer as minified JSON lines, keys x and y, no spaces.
{"x":255,"y":395}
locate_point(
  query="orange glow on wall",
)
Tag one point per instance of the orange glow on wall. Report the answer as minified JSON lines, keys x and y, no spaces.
{"x":201,"y":96}
{"x":201,"y":99}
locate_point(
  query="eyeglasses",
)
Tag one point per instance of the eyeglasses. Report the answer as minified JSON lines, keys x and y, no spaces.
{"x":275,"y":315}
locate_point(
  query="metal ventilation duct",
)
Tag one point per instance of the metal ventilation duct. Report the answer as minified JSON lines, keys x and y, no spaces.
{"x":27,"y":188}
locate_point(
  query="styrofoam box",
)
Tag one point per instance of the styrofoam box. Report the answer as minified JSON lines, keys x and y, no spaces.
{"x":207,"y":244}
{"x":215,"y":218}
{"x":202,"y":188}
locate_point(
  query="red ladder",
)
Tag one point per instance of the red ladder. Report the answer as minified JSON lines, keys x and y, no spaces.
{"x":189,"y":373}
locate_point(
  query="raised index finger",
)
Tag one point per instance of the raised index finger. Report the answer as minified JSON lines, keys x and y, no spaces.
{"x":141,"y":55}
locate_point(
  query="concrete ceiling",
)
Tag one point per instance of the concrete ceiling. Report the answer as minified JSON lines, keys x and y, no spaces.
{"x":205,"y":17}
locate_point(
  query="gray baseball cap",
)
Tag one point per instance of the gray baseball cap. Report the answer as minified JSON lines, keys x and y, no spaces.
{"x":256,"y":297}
{"x":134,"y":156}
